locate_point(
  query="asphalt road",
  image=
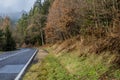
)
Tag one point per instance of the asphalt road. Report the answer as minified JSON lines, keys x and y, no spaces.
{"x":11,"y":63}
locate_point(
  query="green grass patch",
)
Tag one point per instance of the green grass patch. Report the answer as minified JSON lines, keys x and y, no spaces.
{"x":68,"y":66}
{"x":84,"y":68}
{"x":117,"y":74}
{"x":51,"y":69}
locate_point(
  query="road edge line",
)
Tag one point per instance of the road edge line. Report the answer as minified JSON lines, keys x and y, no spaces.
{"x":18,"y":77}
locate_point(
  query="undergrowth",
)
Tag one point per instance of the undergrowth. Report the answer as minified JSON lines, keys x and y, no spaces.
{"x":68,"y":66}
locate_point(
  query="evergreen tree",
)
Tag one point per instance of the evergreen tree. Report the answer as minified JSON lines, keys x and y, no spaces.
{"x":1,"y":39}
{"x":1,"y":34}
{"x":23,"y":23}
{"x":31,"y":26}
{"x":9,"y":41}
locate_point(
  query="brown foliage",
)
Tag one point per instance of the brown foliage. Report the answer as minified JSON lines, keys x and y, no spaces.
{"x":62,"y":20}
{"x":98,"y":19}
{"x":109,"y":44}
{"x":6,"y":22}
{"x":68,"y":18}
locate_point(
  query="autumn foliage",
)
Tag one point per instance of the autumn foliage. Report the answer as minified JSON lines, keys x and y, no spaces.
{"x":62,"y":20}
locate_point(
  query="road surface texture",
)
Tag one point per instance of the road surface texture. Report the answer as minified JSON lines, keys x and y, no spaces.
{"x":11,"y":63}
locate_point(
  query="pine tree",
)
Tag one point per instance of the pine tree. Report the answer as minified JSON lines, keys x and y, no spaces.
{"x":1,"y":39}
{"x":9,"y":41}
{"x":31,"y":27}
{"x":37,"y":20}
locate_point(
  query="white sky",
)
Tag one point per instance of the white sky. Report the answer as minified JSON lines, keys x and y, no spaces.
{"x":15,"y":5}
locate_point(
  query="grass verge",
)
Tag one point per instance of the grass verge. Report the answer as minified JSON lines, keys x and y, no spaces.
{"x":68,"y":66}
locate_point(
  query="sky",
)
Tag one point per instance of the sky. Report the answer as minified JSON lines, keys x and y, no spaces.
{"x":8,"y":6}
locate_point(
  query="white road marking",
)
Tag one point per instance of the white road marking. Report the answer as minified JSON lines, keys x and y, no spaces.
{"x":13,"y":54}
{"x":25,"y":67}
{"x":11,"y":69}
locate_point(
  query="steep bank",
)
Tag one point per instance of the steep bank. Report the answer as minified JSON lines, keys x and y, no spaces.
{"x":72,"y":60}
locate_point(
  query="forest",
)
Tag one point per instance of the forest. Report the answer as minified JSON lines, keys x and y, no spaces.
{"x":7,"y":42}
{"x":55,"y":21}
{"x":69,"y":25}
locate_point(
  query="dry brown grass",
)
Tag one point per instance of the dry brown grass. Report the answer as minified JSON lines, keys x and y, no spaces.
{"x":65,"y":46}
{"x":88,"y":45}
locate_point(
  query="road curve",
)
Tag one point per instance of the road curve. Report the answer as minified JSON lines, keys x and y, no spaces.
{"x":12,"y":63}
